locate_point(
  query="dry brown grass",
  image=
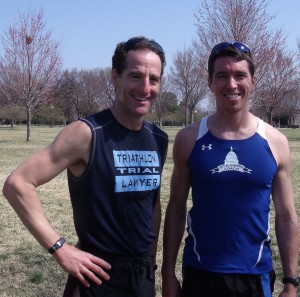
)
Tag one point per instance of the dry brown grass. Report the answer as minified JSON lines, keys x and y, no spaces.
{"x":26,"y":269}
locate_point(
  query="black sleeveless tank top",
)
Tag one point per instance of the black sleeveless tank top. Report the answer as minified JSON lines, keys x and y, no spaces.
{"x":113,"y":200}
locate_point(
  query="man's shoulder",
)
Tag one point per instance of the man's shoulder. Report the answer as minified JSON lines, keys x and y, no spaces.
{"x":77,"y":131}
{"x":99,"y":119}
{"x":273,"y":133}
{"x":185,"y":140}
{"x":155,"y":130}
{"x":278,"y":143}
{"x":190,"y":131}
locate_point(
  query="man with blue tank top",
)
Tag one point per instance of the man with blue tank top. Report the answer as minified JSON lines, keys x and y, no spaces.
{"x":114,"y":160}
{"x":235,"y":165}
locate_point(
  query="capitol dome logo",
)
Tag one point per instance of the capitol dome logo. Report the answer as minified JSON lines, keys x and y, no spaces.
{"x":231,"y":163}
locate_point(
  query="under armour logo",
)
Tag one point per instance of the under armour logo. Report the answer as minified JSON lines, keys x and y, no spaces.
{"x":209,"y":147}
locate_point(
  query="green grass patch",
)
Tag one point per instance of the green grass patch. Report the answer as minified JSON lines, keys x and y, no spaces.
{"x":36,"y":277}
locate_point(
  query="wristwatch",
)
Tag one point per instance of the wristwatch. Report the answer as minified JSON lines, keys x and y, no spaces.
{"x":295,"y":280}
{"x":57,"y":245}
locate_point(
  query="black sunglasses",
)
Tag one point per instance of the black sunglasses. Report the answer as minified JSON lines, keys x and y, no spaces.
{"x":238,"y":45}
{"x":133,"y":41}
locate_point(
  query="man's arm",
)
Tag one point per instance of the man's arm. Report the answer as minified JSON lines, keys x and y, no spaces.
{"x":175,"y":219}
{"x":70,"y":149}
{"x":286,"y":221}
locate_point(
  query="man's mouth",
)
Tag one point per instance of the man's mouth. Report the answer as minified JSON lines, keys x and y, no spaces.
{"x":141,"y":99}
{"x":232,"y":96}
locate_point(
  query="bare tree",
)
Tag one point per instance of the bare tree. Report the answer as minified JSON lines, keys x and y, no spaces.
{"x":80,"y":93}
{"x":166,"y":102}
{"x":232,"y":20}
{"x":188,"y":80}
{"x":85,"y":93}
{"x":88,"y":91}
{"x":107,"y":90}
{"x":279,"y":83}
{"x":63,"y":95}
{"x":31,"y":63}
{"x":11,"y":113}
{"x":290,"y":107}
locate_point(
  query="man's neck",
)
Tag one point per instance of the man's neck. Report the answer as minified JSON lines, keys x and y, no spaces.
{"x":232,"y":126}
{"x":128,"y":122}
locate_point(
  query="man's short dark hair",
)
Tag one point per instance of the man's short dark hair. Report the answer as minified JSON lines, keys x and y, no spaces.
{"x":119,"y":61}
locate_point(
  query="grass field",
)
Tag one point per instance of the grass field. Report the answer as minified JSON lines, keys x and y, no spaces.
{"x":26,"y":269}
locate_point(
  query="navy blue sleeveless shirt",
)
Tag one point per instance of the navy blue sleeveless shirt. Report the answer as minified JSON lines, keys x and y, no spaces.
{"x":113,"y":200}
{"x":229,"y":222}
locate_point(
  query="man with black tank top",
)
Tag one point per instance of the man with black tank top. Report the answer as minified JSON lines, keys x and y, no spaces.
{"x":114,"y":161}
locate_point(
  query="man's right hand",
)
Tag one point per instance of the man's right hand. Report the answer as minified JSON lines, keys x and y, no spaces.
{"x":82,"y":265}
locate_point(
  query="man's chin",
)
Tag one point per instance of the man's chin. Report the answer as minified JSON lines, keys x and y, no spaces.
{"x":142,"y":111}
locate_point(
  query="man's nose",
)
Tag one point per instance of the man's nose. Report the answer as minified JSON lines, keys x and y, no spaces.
{"x":232,"y":82}
{"x":145,"y":86}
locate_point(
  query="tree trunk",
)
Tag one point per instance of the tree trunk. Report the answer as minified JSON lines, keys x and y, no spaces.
{"x":29,"y":116}
{"x":269,"y":115}
{"x":186,"y":115}
{"x":160,"y":122}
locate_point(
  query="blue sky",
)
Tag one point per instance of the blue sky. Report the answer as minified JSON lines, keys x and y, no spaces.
{"x":89,"y":30}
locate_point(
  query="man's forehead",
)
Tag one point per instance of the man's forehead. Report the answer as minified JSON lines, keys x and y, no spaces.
{"x":230,"y":63}
{"x":141,"y":59}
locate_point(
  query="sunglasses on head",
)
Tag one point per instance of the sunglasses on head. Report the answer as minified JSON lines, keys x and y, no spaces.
{"x":238,"y":45}
{"x":133,"y":41}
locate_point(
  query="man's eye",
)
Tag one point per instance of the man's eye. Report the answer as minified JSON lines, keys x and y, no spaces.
{"x":135,"y":76}
{"x":154,"y":80}
{"x":241,"y":75}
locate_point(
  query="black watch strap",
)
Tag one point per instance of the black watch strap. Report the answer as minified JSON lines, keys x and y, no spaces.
{"x":57,"y":245}
{"x":295,"y":280}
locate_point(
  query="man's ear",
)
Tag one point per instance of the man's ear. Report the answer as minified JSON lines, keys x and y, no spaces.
{"x":209,"y":83}
{"x":114,"y":77}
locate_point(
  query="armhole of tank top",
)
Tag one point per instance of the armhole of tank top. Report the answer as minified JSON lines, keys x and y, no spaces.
{"x":202,"y":127}
{"x":92,"y":149}
{"x":261,"y":128}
